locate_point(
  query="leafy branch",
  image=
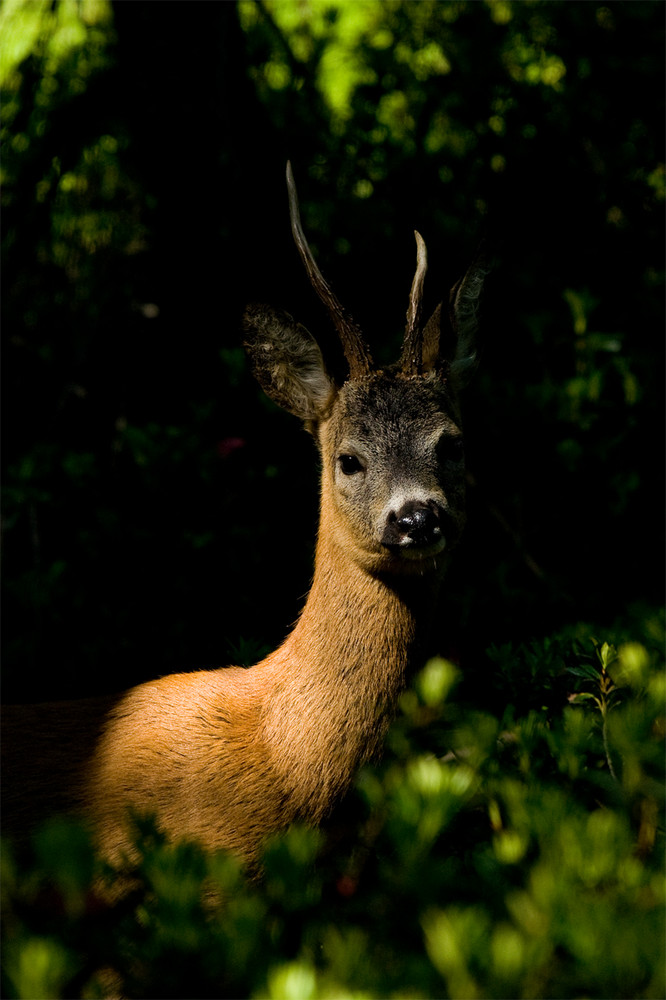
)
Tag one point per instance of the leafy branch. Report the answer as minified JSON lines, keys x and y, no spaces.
{"x":606,"y":692}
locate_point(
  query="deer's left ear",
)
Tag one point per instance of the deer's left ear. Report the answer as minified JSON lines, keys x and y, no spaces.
{"x":458,"y":345}
{"x":287,"y":362}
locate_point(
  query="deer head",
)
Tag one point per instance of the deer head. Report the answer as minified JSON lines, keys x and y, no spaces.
{"x":390,"y":439}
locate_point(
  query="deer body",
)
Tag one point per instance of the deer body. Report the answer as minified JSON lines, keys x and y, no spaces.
{"x":231,"y":754}
{"x":227,"y":756}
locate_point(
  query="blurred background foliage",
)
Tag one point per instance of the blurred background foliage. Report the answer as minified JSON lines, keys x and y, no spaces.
{"x":144,"y":204}
{"x":159,"y":513}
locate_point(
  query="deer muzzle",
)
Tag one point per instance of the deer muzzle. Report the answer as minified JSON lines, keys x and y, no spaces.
{"x":416,"y":529}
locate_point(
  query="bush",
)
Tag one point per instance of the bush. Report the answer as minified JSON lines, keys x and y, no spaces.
{"x":512,"y":854}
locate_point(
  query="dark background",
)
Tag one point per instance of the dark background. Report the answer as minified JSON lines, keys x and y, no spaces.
{"x":159,"y":512}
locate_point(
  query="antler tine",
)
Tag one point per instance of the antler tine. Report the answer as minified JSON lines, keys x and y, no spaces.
{"x":412,"y":351}
{"x":356,"y":352}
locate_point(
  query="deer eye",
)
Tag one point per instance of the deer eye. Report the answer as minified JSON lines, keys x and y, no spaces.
{"x":450,"y":448}
{"x":350,"y":465}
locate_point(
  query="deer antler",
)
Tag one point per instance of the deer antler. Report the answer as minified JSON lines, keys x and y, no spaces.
{"x":356,"y":352}
{"x":412,"y":351}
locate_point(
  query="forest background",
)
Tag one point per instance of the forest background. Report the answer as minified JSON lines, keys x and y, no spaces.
{"x":159,"y":513}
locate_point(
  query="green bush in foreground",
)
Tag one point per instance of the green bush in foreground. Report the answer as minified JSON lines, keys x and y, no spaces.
{"x":513,"y":856}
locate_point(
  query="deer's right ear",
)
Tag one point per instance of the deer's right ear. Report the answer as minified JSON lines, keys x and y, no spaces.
{"x":287,"y":362}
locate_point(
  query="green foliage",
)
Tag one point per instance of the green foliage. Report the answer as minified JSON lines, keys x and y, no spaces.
{"x":510,"y":844}
{"x":484,"y":857}
{"x":65,"y":46}
{"x":54,"y":35}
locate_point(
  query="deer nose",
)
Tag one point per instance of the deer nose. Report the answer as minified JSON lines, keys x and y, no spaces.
{"x":416,"y":524}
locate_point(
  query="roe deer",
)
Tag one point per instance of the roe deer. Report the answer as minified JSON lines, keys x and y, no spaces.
{"x":227,"y":756}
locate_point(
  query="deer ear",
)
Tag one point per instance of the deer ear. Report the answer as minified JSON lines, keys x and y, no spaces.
{"x":464,"y":304}
{"x":455,"y":343}
{"x":287,"y":362}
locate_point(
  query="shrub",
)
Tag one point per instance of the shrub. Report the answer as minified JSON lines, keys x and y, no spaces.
{"x":512,"y":854}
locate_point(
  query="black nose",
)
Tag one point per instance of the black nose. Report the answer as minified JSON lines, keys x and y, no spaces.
{"x":415,"y":524}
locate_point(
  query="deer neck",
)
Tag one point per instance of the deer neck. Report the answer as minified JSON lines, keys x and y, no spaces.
{"x":340,"y":673}
{"x":358,"y":625}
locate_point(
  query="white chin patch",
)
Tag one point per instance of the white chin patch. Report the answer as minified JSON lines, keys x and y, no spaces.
{"x":416,"y":552}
